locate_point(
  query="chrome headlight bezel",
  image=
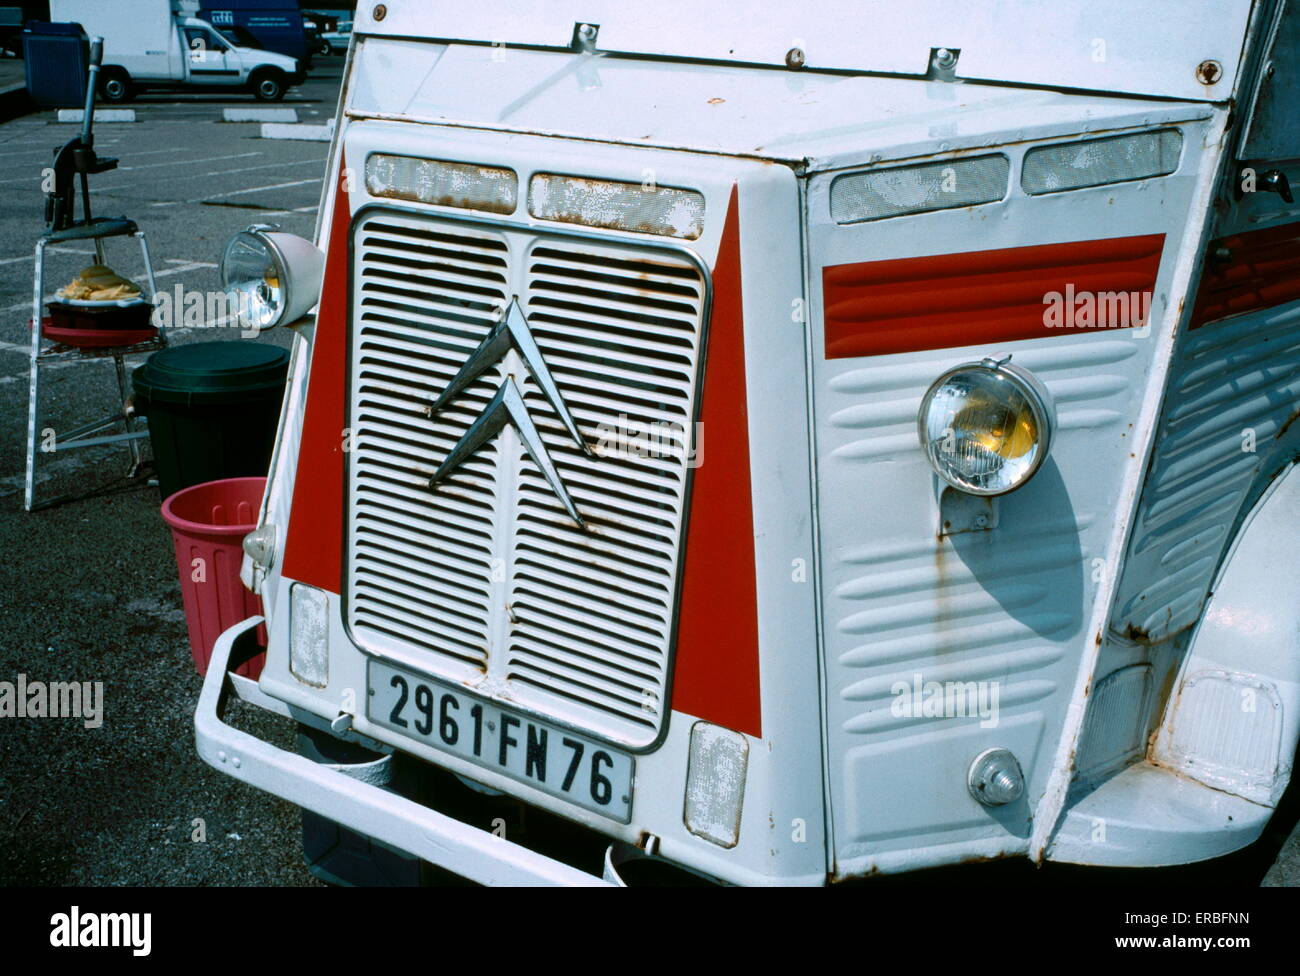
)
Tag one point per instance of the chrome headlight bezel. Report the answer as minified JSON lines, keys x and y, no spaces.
{"x":1020,"y":382}
{"x":298,"y":266}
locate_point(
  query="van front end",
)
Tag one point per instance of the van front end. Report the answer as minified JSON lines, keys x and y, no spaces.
{"x":782,"y":468}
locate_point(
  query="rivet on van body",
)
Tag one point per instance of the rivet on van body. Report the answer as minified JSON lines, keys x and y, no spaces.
{"x":795,"y":58}
{"x":584,"y":37}
{"x":1209,"y":72}
{"x":380,"y":12}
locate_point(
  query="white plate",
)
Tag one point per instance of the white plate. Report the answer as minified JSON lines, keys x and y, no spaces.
{"x":86,"y":303}
{"x":557,"y":761}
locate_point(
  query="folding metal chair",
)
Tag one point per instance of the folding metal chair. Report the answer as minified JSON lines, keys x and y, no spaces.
{"x":50,"y":346}
{"x":73,"y":164}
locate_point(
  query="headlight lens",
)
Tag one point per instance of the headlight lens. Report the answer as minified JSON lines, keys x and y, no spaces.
{"x":986,"y":427}
{"x":270,"y":277}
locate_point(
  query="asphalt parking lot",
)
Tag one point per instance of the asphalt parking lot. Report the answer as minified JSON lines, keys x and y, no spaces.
{"x":90,"y":590}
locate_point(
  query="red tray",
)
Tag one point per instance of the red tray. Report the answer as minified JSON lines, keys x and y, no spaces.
{"x":94,"y":338}
{"x":134,"y":317}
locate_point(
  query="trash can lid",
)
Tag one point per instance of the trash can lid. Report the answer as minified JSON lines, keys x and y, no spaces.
{"x":212,"y":372}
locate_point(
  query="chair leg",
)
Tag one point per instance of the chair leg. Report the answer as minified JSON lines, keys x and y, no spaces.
{"x":119,"y":365}
{"x":34,"y":382}
{"x":153,"y":284}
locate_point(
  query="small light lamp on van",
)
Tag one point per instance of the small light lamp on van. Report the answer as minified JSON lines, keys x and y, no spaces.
{"x":309,"y":649}
{"x":986,"y":427}
{"x":270,"y":277}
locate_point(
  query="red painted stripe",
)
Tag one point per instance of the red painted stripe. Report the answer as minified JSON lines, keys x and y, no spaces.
{"x":314,"y":548}
{"x":879,"y":307}
{"x":716,"y":672}
{"x":1263,"y":271}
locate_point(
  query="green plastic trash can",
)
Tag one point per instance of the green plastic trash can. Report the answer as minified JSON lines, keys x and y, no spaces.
{"x":212,"y":409}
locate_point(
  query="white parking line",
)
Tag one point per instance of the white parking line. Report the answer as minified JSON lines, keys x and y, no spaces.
{"x":170,"y":162}
{"x":177,"y":162}
{"x":174,"y":162}
{"x":244,"y":169}
{"x":183,"y":267}
{"x":53,"y":250}
{"x":256,"y":189}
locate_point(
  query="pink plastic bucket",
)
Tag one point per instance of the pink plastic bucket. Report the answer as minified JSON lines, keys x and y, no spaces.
{"x":208,"y":524}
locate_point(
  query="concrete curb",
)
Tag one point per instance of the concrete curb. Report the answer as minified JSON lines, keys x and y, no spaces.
{"x":101,"y":114}
{"x":301,"y":130}
{"x":259,"y":115}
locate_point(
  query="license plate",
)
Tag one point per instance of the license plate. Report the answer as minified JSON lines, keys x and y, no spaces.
{"x":557,"y":761}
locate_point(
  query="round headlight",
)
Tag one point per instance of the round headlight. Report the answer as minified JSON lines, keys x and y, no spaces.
{"x":986,"y":427}
{"x":270,"y":277}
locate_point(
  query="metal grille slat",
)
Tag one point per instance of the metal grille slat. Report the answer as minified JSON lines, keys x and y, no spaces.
{"x":418,"y":560}
{"x":487,"y":568}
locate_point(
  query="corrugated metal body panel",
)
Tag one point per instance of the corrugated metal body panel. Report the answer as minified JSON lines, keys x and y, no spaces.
{"x":485,"y":578}
{"x":1013,"y":610}
{"x":831,"y":120}
{"x":1110,"y":45}
{"x":1003,"y":609}
{"x":1233,"y":387}
{"x":881,"y":307}
{"x":1255,"y":270}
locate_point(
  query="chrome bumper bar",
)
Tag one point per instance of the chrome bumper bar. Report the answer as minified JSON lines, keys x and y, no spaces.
{"x":475,"y":854}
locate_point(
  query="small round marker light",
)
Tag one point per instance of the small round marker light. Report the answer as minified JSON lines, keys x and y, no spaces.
{"x":995,"y":778}
{"x":986,"y":427}
{"x":270,"y":278}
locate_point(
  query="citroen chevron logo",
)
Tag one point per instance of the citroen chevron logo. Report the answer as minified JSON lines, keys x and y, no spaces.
{"x":508,"y":406}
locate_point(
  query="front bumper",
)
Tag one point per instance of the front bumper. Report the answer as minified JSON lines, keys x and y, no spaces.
{"x":468,"y":851}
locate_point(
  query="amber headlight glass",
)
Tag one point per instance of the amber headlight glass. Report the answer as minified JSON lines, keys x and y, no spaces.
{"x":986,"y":427}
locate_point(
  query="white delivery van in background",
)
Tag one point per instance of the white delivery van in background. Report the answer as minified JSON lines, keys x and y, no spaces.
{"x":158,"y":44}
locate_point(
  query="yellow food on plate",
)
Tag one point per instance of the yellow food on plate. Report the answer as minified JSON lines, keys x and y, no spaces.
{"x":98,"y":283}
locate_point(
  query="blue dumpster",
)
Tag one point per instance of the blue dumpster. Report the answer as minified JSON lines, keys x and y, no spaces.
{"x":57,"y":59}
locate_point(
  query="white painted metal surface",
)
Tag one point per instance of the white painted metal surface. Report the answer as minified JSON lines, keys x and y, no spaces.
{"x":1018,"y":607}
{"x":1152,"y":817}
{"x":1233,"y":722}
{"x":856,"y":588}
{"x":824,"y":121}
{"x":1105,"y":45}
{"x":782,"y":838}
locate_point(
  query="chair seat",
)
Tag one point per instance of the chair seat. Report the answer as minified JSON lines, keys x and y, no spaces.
{"x":96,"y":227}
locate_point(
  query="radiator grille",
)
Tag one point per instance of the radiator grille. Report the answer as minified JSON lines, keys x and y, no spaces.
{"x":485,"y":579}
